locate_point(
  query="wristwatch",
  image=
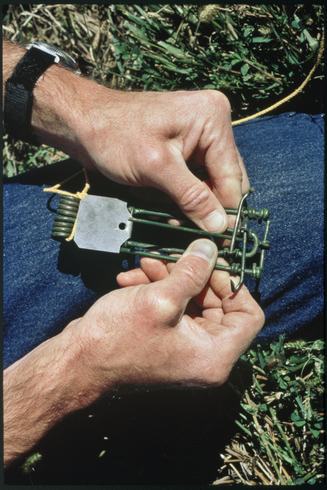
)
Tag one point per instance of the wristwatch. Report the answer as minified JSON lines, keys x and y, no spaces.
{"x":18,"y":100}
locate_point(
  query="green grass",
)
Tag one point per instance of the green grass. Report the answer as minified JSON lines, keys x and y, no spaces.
{"x":281,"y":438}
{"x":20,"y":157}
{"x":256,"y":55}
{"x":250,"y":52}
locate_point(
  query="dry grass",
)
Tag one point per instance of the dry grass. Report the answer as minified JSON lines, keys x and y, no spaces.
{"x":282,"y":419}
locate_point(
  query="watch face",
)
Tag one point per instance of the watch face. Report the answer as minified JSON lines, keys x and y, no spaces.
{"x":61,"y":57}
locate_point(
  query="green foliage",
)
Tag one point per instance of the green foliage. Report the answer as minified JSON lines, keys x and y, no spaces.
{"x":31,"y":462}
{"x":253,"y":52}
{"x":281,"y":438}
{"x":20,"y":157}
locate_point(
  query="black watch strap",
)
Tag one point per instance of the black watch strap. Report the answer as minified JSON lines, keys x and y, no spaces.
{"x":18,"y":101}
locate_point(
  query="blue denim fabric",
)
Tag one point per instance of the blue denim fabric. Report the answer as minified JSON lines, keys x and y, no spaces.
{"x":43,"y":286}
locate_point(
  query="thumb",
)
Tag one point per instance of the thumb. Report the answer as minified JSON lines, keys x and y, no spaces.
{"x":191,"y":273}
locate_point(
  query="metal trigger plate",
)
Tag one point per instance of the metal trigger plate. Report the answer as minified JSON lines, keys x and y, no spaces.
{"x":102,"y":224}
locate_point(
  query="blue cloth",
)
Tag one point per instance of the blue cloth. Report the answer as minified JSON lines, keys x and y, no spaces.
{"x":46,"y":285}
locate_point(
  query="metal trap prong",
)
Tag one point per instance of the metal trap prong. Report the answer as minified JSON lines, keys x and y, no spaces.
{"x":236,"y":287}
{"x":187,"y":229}
{"x":264,"y":244}
{"x":237,"y":222}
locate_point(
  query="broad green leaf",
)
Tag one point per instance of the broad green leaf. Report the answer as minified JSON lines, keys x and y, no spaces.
{"x":244,"y":69}
{"x":295,"y":416}
{"x":235,"y":61}
{"x":315,"y":433}
{"x":300,"y":423}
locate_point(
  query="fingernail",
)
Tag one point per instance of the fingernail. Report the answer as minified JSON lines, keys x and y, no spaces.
{"x":215,"y":221}
{"x":205,"y":249}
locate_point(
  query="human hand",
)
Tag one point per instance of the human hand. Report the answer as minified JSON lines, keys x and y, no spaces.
{"x":146,"y":138}
{"x":168,"y":325}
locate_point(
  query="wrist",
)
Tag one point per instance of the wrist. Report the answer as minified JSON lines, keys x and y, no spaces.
{"x":65,"y":113}
{"x":77,"y":370}
{"x":95,"y":363}
{"x":56,"y":114}
{"x":93,"y":117}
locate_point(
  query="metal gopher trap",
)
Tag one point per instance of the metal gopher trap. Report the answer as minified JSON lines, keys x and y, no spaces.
{"x":110,"y":225}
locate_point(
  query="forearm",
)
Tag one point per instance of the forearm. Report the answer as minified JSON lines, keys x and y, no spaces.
{"x":11,"y":54}
{"x":61,"y":104}
{"x":40,"y":389}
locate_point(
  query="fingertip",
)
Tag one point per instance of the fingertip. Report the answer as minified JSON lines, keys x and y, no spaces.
{"x":121,"y":279}
{"x":133,"y":277}
{"x":154,"y":269}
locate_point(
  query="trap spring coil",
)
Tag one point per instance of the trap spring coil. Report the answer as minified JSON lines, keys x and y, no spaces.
{"x":65,"y":217}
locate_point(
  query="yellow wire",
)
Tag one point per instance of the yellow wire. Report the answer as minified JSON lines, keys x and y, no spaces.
{"x":292,"y":94}
{"x":55,"y":189}
{"x":72,"y":233}
{"x":79,"y":195}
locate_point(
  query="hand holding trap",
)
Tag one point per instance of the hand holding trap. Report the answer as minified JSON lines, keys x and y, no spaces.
{"x":110,"y":225}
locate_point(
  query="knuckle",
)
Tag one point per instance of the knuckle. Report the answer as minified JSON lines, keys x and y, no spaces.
{"x":148,"y":304}
{"x":167,"y":305}
{"x":195,"y":197}
{"x":218,"y":99}
{"x":231,"y":170}
{"x":154,"y":158}
{"x":160,"y":304}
